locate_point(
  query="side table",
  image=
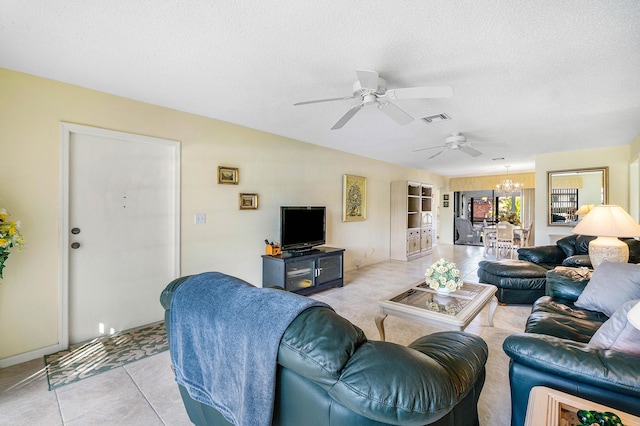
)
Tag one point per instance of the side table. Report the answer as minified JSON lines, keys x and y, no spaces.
{"x":550,"y":407}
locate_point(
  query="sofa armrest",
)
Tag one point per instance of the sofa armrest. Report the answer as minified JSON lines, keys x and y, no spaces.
{"x":551,"y":255}
{"x":167,"y":293}
{"x":607,"y":369}
{"x":463,"y":355}
{"x":565,"y":283}
{"x":414,"y":385}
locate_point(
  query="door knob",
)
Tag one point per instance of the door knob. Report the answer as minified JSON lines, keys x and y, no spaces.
{"x":75,"y":245}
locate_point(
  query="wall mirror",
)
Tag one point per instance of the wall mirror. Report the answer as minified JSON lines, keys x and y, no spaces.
{"x":571,"y":192}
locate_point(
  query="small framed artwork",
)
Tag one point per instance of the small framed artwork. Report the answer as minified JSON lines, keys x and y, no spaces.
{"x":354,"y":198}
{"x":445,"y":204}
{"x":228,"y":175}
{"x":248,"y":201}
{"x":445,"y":197}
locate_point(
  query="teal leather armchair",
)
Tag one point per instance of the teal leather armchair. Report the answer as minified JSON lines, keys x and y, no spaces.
{"x":329,"y":373}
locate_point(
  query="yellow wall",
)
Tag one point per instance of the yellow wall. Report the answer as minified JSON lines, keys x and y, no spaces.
{"x":280,"y":170}
{"x":616,"y":158}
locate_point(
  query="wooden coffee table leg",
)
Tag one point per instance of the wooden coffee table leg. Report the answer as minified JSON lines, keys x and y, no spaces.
{"x":493,"y":304}
{"x":380,"y":324}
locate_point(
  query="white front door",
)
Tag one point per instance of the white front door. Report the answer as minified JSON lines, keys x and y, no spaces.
{"x":120,"y":230}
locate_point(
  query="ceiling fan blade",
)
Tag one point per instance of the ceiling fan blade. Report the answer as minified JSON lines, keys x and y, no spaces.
{"x":347,"y":116}
{"x":324,"y":100}
{"x":395,"y":113}
{"x":368,"y":79}
{"x":471,"y":151}
{"x":431,"y":147}
{"x":435,"y":155}
{"x":420,"y":92}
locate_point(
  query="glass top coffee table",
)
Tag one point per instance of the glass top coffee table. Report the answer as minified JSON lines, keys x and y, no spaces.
{"x":452,"y":311}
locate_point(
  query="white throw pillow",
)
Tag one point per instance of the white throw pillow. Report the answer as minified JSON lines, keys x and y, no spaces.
{"x":617,"y":333}
{"x":611,"y":284}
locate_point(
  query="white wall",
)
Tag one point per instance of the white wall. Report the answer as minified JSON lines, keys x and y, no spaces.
{"x":280,"y":170}
{"x":616,"y":158}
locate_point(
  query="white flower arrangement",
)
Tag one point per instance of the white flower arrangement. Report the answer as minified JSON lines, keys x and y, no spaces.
{"x":444,"y":275}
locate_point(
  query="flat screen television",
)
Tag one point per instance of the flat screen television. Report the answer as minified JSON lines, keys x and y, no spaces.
{"x":302,"y":228}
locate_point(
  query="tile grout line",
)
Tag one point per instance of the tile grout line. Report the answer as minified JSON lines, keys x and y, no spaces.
{"x":59,"y":407}
{"x":124,"y":367}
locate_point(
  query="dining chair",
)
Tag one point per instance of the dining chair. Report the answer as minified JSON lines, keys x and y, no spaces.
{"x":489,"y":237}
{"x":505,"y":239}
{"x":527,"y":235}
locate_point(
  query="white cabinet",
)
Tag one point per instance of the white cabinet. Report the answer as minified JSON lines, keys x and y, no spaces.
{"x":411,"y":219}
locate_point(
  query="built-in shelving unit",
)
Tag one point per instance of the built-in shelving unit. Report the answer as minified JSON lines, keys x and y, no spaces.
{"x":411,"y":219}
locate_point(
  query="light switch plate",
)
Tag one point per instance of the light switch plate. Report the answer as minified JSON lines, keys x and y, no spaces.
{"x":200,"y":218}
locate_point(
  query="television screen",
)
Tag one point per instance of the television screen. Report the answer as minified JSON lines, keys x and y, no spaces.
{"x":302,"y":228}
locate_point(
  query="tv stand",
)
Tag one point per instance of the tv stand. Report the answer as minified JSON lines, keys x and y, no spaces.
{"x":304,"y":272}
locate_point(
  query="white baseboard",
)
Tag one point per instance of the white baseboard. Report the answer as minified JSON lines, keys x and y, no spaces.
{"x":28,"y":356}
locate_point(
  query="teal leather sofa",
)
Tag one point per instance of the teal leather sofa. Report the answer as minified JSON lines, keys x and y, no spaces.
{"x":329,"y":373}
{"x":554,"y":351}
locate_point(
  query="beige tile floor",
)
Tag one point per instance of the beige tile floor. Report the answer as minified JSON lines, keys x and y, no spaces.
{"x":144,"y":392}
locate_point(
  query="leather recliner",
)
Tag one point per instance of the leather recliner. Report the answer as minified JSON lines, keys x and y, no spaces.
{"x":328,"y":373}
{"x":554,"y":352}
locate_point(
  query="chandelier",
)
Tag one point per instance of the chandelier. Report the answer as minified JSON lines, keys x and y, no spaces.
{"x":507,"y":185}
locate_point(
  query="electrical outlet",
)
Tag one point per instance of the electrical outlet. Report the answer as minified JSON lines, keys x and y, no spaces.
{"x":200,"y":218}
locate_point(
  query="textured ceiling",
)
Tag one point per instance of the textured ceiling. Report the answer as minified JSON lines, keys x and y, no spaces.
{"x":537,"y":76}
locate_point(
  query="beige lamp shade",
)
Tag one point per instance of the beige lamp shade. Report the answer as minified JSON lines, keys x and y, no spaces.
{"x":585,"y":208}
{"x":608,"y":222}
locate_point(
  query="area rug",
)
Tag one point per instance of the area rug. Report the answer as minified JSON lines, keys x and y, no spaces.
{"x":104,"y":353}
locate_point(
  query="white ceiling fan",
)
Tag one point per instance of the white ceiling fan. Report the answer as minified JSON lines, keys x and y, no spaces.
{"x":371,"y":89}
{"x":456,"y":142}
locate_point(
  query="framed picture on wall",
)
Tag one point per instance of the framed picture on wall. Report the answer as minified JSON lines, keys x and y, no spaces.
{"x":248,"y":201}
{"x":228,"y":175}
{"x":354,"y":198}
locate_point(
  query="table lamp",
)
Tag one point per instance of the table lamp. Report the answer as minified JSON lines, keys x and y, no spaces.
{"x":634,"y":316}
{"x":608,"y":222}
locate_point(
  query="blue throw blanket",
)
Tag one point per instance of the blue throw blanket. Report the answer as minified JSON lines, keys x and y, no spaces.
{"x":225,"y":335}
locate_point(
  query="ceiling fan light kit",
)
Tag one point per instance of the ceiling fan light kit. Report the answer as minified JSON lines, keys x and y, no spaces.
{"x":456,"y":142}
{"x":371,"y":89}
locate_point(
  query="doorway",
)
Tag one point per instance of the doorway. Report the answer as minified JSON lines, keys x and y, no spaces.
{"x":119,"y":229}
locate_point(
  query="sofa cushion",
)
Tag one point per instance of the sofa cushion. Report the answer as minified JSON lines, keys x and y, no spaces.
{"x":561,"y":320}
{"x":513,"y":268}
{"x":634,"y":249}
{"x":577,"y":261}
{"x":575,"y":244}
{"x":618,"y":333}
{"x":545,"y":256}
{"x":318,"y":344}
{"x":611,"y":284}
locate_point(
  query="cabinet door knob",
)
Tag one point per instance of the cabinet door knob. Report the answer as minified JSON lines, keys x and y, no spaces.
{"x":75,"y":245}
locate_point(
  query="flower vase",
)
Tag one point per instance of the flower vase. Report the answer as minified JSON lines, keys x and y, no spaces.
{"x":443,"y":290}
